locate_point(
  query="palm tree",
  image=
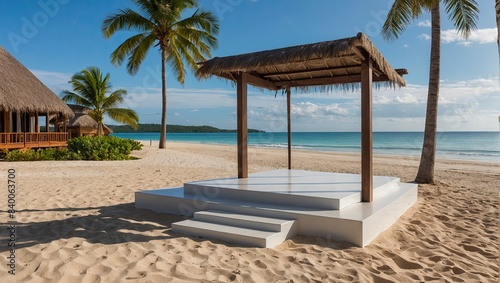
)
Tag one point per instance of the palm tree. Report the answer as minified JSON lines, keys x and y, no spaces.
{"x":463,"y":14}
{"x":160,"y":24}
{"x":90,"y":90}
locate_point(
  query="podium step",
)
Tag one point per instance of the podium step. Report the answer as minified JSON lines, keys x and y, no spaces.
{"x":248,"y":230}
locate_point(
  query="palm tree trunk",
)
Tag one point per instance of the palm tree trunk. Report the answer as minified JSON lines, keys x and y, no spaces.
{"x":99,"y":129}
{"x":497,"y":9}
{"x":163,"y":131}
{"x":426,"y":169}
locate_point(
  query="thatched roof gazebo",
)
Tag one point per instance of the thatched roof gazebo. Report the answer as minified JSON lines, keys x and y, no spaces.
{"x":21,"y":91}
{"x":345,"y":64}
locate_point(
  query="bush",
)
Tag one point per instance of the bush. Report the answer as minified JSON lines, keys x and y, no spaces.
{"x":103,"y":148}
{"x":21,"y":155}
{"x":82,"y":148}
{"x":41,"y":154}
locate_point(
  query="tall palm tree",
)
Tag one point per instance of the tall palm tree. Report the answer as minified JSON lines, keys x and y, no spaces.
{"x":90,"y":91}
{"x":160,"y":24}
{"x":463,"y":14}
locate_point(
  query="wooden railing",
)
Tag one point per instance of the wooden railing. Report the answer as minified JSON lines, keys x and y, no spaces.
{"x":32,"y":140}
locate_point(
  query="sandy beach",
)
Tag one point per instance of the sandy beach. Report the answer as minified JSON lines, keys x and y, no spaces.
{"x":77,"y":223}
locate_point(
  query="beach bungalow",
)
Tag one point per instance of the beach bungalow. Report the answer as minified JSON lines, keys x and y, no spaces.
{"x":31,"y":115}
{"x":82,"y":124}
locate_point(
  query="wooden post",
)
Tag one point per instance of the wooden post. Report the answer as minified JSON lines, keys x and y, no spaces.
{"x":289,"y":125}
{"x":47,"y":129}
{"x":37,"y":123}
{"x":7,"y":125}
{"x":366,"y":131}
{"x":242,"y":121}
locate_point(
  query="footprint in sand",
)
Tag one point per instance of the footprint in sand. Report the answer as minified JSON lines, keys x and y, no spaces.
{"x":260,"y":264}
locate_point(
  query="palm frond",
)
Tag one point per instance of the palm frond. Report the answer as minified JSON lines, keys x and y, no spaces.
{"x":125,"y":19}
{"x":398,"y":18}
{"x":174,"y":58}
{"x":114,"y":99}
{"x":463,"y":14}
{"x":123,"y":115}
{"x":74,"y":97}
{"x":124,"y":50}
{"x":137,"y":55}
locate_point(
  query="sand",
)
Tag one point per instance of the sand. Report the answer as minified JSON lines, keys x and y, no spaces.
{"x":77,"y":223}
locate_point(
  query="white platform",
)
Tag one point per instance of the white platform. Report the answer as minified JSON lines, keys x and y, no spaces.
{"x":322,"y":204}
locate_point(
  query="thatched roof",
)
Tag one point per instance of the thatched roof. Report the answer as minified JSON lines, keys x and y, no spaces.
{"x":21,"y":91}
{"x":334,"y":63}
{"x":83,"y":120}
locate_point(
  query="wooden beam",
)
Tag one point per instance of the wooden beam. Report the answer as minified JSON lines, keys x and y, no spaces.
{"x":321,"y":81}
{"x":242,"y":124}
{"x":328,"y":81}
{"x":366,"y":131}
{"x":289,"y":125}
{"x":260,"y":82}
{"x":311,"y":70}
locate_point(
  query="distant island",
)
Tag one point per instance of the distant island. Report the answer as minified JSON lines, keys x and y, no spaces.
{"x":155,"y":128}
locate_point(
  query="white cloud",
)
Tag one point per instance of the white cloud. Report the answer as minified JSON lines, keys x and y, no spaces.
{"x":56,"y":81}
{"x":313,"y":110}
{"x":425,"y":23}
{"x":51,"y":78}
{"x":424,"y":36}
{"x":481,"y":36}
{"x":406,"y":45}
{"x":406,"y":98}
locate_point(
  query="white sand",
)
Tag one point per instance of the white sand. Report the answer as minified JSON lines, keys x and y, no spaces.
{"x":77,"y":223}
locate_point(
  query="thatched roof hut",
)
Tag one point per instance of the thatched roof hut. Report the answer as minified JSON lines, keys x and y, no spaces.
{"x":21,"y":91}
{"x":83,"y":120}
{"x":335,"y":63}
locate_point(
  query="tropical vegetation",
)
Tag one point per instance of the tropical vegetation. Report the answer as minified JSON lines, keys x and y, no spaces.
{"x":82,"y":148}
{"x":160,"y":24}
{"x":463,"y":15}
{"x":90,"y":89}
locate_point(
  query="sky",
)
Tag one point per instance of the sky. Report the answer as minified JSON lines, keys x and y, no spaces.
{"x":56,"y":38}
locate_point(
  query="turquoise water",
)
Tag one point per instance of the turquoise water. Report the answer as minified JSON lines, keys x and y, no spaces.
{"x":483,"y":146}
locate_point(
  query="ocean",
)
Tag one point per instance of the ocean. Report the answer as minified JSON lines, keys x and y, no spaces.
{"x":481,"y":146}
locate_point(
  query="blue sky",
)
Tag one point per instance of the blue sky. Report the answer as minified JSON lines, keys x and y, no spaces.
{"x":56,"y":38}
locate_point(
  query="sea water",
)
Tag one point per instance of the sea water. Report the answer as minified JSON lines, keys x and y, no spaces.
{"x":483,"y":146}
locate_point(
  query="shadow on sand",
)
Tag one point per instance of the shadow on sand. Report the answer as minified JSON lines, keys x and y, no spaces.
{"x":116,"y":224}
{"x":106,"y":225}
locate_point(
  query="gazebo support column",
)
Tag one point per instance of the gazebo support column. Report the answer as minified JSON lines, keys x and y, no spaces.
{"x":242,"y":126}
{"x":289,"y":125}
{"x":366,"y":131}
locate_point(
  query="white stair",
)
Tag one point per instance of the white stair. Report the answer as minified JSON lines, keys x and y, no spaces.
{"x":248,"y":230}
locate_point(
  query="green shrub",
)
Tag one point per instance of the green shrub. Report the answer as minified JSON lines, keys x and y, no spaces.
{"x":82,"y":148}
{"x":103,"y":148}
{"x":41,"y":154}
{"x":21,"y":155}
